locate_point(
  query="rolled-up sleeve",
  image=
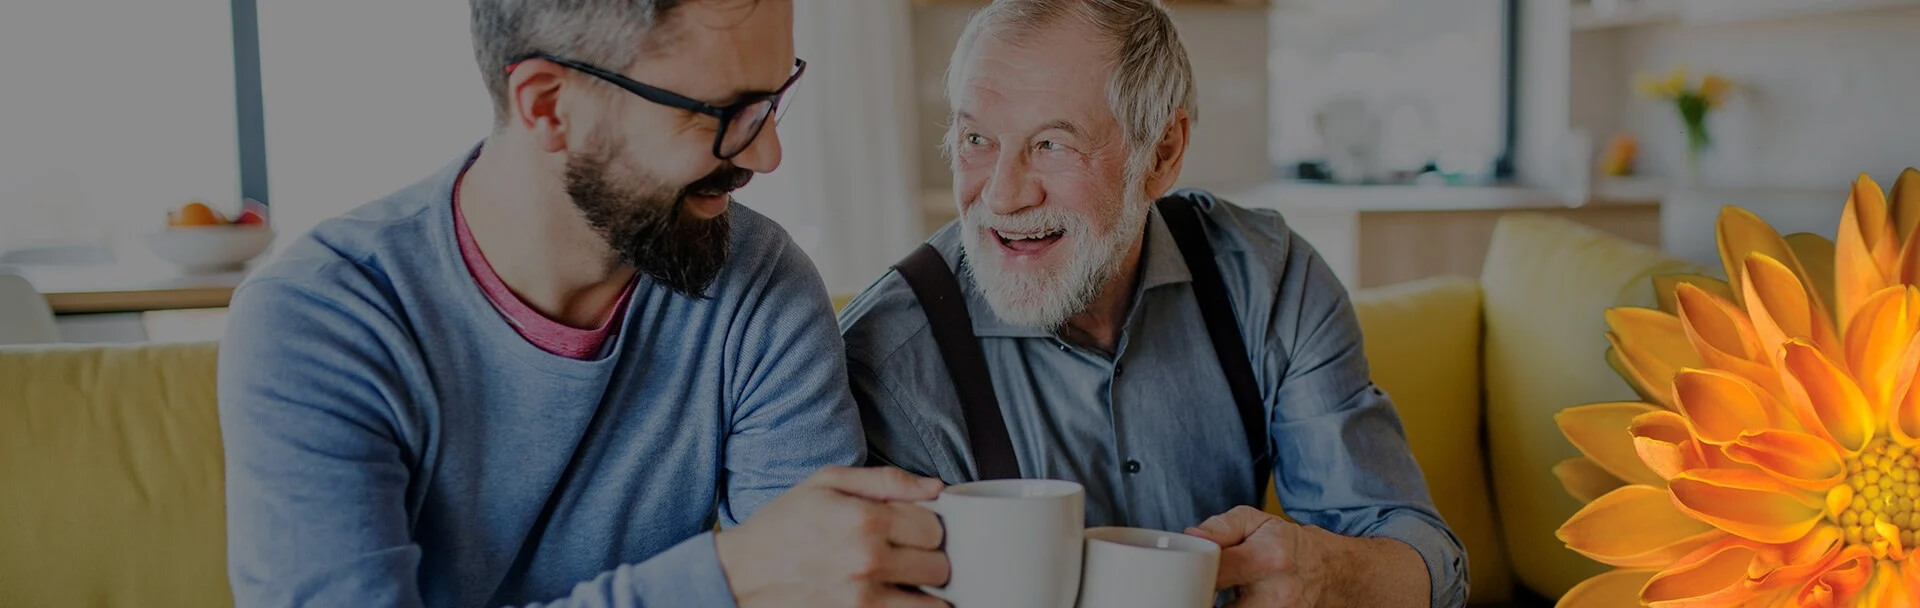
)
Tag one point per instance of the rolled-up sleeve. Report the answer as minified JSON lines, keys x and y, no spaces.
{"x":1342,"y":459}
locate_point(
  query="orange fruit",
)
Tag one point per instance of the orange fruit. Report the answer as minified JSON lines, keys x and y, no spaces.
{"x":197,"y":214}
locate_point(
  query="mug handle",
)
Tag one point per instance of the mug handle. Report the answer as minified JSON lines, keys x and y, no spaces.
{"x":934,"y":506}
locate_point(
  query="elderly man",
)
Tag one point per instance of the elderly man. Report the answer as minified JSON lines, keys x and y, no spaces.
{"x":1166,"y":355}
{"x":545,"y":371}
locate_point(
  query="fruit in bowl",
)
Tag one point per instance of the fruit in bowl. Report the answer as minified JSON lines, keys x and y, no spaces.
{"x":200,"y":239}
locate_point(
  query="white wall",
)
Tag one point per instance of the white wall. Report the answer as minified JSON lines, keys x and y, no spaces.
{"x":1826,"y":98}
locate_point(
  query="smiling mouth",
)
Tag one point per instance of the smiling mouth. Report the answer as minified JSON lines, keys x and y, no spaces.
{"x":1027,"y":242}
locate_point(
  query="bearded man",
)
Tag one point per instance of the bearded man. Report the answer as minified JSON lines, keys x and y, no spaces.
{"x":1174,"y":356}
{"x":545,"y":372}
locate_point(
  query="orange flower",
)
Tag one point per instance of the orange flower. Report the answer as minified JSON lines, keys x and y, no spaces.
{"x":1773,"y":461}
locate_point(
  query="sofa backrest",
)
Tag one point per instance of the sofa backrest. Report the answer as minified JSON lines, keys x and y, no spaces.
{"x":1545,"y":285}
{"x":111,"y":485}
{"x":1423,"y":348}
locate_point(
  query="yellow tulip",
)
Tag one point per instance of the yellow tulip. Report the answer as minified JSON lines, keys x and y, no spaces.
{"x":1650,"y":86}
{"x":1715,"y":89}
{"x":1676,"y":82}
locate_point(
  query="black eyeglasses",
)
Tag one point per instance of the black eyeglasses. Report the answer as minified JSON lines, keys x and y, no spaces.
{"x":740,"y":122}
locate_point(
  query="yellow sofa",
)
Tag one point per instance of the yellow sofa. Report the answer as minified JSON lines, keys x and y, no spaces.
{"x":110,"y":462}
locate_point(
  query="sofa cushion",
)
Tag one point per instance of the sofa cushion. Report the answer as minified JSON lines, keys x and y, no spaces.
{"x":1545,"y":285}
{"x":1423,"y":347}
{"x":111,"y":463}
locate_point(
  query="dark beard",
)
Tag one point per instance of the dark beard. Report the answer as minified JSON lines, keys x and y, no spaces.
{"x":647,"y":226}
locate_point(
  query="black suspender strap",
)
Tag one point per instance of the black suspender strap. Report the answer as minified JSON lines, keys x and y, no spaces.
{"x":1183,"y":220}
{"x":938,"y":290}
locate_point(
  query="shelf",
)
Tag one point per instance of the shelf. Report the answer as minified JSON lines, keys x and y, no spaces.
{"x":1631,"y":189}
{"x":1628,"y":13}
{"x":1702,"y":12}
{"x":1632,"y":13}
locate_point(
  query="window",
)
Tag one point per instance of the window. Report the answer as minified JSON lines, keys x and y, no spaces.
{"x":1380,"y":91}
{"x":363,"y":98}
{"x":109,"y":122}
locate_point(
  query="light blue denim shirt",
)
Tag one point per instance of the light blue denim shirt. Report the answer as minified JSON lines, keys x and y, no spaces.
{"x":1151,"y":430}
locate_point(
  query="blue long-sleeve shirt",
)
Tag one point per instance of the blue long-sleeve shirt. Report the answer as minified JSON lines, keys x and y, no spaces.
{"x":391,"y":441}
{"x":1152,"y":430}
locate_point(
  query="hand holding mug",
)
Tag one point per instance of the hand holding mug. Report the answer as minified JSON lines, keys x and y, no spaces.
{"x":843,"y":537}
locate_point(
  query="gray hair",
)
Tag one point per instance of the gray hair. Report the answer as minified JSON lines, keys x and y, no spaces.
{"x":608,"y":33}
{"x":1151,"y":79}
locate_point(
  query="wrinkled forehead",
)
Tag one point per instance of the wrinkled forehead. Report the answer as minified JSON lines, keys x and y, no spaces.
{"x":1052,"y":70}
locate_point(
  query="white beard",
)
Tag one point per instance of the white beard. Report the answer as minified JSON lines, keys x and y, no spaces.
{"x":1044,"y":298}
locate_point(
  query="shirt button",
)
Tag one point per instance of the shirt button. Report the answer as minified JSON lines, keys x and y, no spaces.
{"x":1064,"y":347}
{"x":1133,"y":466}
{"x":1117,"y":368}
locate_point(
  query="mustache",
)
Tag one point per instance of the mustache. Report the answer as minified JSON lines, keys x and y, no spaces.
{"x":1031,"y":220}
{"x":727,"y":178}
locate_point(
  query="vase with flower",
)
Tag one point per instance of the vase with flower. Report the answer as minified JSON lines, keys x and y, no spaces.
{"x":1694,"y":101}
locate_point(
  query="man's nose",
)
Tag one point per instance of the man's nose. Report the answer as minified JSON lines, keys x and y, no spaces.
{"x":762,"y":155}
{"x":1011,"y":188}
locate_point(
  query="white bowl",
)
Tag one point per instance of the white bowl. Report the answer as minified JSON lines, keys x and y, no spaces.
{"x":210,"y":248}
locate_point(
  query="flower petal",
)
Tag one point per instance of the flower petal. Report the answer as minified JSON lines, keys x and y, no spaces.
{"x":1584,"y":480}
{"x":1816,"y":257}
{"x":1711,"y":576}
{"x":1664,"y":285}
{"x":1904,"y":201}
{"x":1716,"y":324}
{"x":1635,"y":527}
{"x":1740,"y":233}
{"x":1607,"y":590}
{"x":1748,"y":504}
{"x":1721,"y":405}
{"x":1799,"y":459}
{"x":1886,"y":544}
{"x":1864,"y":254}
{"x":1889,"y":589}
{"x":1600,"y":430}
{"x":1881,"y":330}
{"x":1666,"y":443}
{"x":1827,"y":401}
{"x":1903,"y":422}
{"x":1840,"y":582}
{"x":1788,"y":566}
{"x":1782,"y":308}
{"x":1724,"y":338}
{"x":1653,"y":345}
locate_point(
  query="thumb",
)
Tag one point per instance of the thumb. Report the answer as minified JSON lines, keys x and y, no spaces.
{"x":1231,"y":528}
{"x":877,"y":483}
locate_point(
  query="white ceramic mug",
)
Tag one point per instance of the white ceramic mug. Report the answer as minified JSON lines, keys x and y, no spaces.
{"x":1140,"y":568}
{"x":1012,"y":543}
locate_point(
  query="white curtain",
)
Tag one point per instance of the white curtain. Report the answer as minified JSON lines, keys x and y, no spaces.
{"x":847,"y":188}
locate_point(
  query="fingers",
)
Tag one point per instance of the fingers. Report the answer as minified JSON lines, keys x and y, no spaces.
{"x":877,"y":483}
{"x":912,"y":526}
{"x":914,"y":567}
{"x":1231,"y":528}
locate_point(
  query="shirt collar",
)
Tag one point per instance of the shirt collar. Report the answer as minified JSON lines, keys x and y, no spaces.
{"x":1160,"y":262}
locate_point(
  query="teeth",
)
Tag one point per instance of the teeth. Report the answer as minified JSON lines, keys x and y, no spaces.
{"x":1030,"y":236}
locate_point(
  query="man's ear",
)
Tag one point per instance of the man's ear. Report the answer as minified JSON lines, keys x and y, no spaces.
{"x":533,"y":93}
{"x":1168,"y":154}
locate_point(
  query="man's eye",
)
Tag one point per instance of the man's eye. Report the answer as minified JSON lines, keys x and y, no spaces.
{"x":975,"y":139}
{"x":1052,"y":145}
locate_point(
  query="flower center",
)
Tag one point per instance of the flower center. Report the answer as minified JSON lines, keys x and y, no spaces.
{"x":1886,"y":487}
